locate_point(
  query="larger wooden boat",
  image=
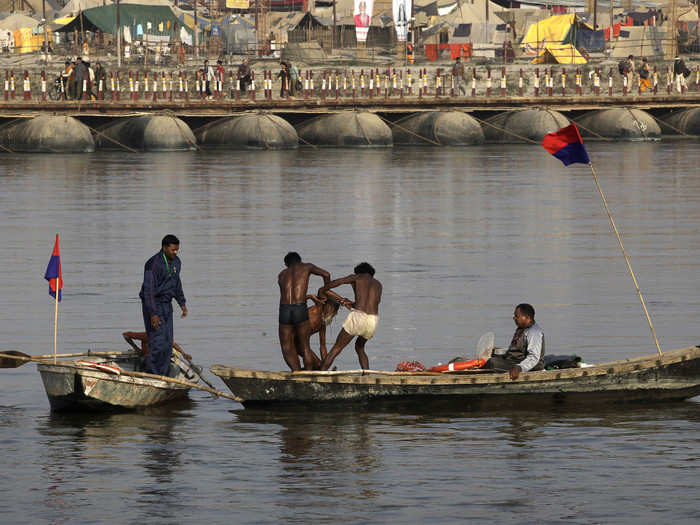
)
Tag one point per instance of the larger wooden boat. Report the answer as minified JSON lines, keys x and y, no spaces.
{"x":675,"y":375}
{"x":88,"y":383}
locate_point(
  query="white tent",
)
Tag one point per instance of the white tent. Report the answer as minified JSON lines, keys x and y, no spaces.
{"x":18,"y":21}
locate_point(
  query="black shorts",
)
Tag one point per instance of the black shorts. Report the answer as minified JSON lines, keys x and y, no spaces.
{"x":293,"y":314}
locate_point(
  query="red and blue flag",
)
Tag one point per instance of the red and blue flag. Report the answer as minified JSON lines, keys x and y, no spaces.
{"x":566,"y":145}
{"x":53,"y":272}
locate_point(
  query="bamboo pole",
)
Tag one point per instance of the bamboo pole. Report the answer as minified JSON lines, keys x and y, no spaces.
{"x":41,"y":358}
{"x":55,"y":317}
{"x":181,"y":382}
{"x":629,"y":266}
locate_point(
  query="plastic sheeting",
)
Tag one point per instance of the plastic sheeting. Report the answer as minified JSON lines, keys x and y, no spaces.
{"x":559,"y":53}
{"x":550,"y":30}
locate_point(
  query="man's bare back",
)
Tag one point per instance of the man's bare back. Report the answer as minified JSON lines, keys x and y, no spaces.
{"x":368,"y":293}
{"x":293,"y":313}
{"x":294,"y":282}
{"x":364,"y":316}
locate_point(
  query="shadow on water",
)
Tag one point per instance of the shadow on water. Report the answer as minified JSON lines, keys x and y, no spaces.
{"x":297,"y":425}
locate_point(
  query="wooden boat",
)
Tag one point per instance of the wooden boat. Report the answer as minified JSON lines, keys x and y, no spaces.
{"x":675,"y":375}
{"x":79,"y":385}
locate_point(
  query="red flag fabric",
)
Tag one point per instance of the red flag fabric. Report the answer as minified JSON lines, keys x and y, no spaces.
{"x":53,"y":272}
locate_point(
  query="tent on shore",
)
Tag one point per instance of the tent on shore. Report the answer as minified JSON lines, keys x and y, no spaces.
{"x":155,"y":23}
{"x":553,"y":39}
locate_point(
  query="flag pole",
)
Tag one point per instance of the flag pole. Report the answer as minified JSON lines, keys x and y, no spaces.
{"x":629,"y":266}
{"x":55,"y":324}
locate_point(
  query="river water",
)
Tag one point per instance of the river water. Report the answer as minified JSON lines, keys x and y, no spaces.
{"x":458,"y":237}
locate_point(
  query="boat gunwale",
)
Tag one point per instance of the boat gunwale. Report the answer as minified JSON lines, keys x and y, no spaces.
{"x":636,"y":364}
{"x":106,"y":376}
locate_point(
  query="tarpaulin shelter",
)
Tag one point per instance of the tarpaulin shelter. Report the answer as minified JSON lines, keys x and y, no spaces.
{"x":553,"y":30}
{"x":559,"y":54}
{"x":238,"y":34}
{"x":554,"y":38}
{"x":640,"y":41}
{"x":140,"y":22}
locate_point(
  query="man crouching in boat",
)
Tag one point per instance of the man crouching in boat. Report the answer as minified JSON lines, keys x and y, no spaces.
{"x":321,"y":315}
{"x":364,"y":314}
{"x":142,"y":337}
{"x":526,"y":350}
{"x":294,"y":313}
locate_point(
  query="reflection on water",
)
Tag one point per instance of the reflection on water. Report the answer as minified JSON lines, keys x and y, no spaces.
{"x":458,"y":236}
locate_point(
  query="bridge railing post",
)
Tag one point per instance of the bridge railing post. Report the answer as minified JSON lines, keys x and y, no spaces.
{"x":655,"y":80}
{"x":488,"y":82}
{"x":596,"y":82}
{"x":536,"y":83}
{"x":252,"y":85}
{"x":610,"y":82}
{"x":43,"y":85}
{"x":520,"y":83}
{"x":26,"y":86}
{"x":118,"y":90}
{"x":579,"y":83}
{"x":7,"y":86}
{"x":563,"y":82}
{"x":503,"y":82}
{"x":12,"y":84}
{"x":624,"y":85}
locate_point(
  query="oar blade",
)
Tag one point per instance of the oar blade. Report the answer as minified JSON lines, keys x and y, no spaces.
{"x":8,"y":362}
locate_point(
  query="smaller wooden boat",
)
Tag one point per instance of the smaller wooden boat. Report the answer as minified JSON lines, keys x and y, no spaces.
{"x":94,"y":383}
{"x":675,"y":375}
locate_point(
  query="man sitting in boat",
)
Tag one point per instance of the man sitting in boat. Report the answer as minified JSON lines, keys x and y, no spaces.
{"x":142,"y":337}
{"x":526,"y":350}
{"x":364,"y":313}
{"x":294,"y":313}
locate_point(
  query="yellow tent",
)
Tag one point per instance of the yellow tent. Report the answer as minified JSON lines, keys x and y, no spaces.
{"x":560,"y":53}
{"x":552,"y":30}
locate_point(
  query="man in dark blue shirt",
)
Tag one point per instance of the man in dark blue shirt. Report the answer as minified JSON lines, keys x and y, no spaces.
{"x":161,"y":284}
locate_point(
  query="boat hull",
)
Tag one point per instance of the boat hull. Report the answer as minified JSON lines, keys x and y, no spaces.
{"x":70,"y":387}
{"x":673,"y":376}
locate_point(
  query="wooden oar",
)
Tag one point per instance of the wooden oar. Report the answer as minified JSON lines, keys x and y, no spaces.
{"x":197,"y":369}
{"x":14,"y":359}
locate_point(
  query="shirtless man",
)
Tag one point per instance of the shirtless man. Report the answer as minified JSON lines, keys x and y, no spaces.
{"x":364,"y":314}
{"x":294,"y":314}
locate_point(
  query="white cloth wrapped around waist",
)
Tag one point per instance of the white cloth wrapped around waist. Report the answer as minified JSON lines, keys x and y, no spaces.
{"x":361,"y":324}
